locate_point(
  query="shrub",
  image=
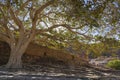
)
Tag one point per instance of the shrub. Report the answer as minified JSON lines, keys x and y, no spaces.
{"x":115,"y":64}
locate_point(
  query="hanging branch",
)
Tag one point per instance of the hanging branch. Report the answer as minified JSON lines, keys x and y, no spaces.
{"x":61,"y":25}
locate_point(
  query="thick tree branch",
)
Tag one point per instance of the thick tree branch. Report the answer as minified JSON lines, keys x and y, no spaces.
{"x":5,"y":38}
{"x":16,"y":20}
{"x":56,"y":26}
{"x":41,"y":8}
{"x":38,"y":11}
{"x":7,"y":30}
{"x":20,"y":25}
{"x":61,"y":25}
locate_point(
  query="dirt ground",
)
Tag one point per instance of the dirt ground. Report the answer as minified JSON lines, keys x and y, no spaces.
{"x":46,"y":72}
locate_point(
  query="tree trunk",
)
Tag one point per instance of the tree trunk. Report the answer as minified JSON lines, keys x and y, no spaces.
{"x":15,"y":57}
{"x":18,"y":49}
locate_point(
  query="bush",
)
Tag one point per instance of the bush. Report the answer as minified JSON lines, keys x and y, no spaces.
{"x":115,"y":64}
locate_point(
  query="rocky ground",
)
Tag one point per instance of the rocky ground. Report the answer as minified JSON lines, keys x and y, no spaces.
{"x":50,"y":72}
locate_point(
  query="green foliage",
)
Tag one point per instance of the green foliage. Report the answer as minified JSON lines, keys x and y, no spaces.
{"x":79,"y":15}
{"x":115,"y":64}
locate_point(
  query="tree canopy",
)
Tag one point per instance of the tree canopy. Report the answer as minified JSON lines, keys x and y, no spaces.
{"x":22,"y":21}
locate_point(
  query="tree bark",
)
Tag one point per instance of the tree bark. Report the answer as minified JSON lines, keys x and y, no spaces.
{"x":15,"y":57}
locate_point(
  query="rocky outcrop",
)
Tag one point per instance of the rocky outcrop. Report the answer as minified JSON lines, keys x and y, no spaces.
{"x":40,"y":54}
{"x":57,"y":55}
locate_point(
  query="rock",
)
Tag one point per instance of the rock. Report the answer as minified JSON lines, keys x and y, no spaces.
{"x":37,"y":54}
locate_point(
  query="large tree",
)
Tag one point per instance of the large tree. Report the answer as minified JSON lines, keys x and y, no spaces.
{"x":22,"y":21}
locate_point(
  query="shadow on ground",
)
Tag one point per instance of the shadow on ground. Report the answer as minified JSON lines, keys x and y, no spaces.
{"x":56,"y":73}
